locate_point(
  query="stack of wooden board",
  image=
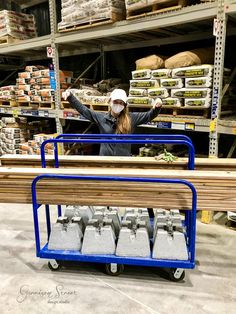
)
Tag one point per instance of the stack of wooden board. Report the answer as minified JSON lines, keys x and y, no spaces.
{"x":215,"y":188}
{"x":213,"y":164}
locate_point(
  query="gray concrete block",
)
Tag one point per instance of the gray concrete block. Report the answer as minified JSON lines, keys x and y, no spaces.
{"x":99,"y":240}
{"x":129,"y":210}
{"x":86,"y":212}
{"x":113,"y":208}
{"x":99,"y":215}
{"x":168,"y":220}
{"x":99,"y":208}
{"x":116,"y":220}
{"x":167,"y":246}
{"x":62,"y":220}
{"x":80,"y":222}
{"x":65,"y":237}
{"x":133,"y":243}
{"x":131,"y":217}
{"x":70,"y":211}
{"x":143,"y":216}
{"x":126,"y":224}
{"x":142,"y":211}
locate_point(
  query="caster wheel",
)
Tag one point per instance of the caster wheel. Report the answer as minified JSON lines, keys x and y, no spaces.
{"x":176,"y":274}
{"x":54,"y":265}
{"x":114,"y":269}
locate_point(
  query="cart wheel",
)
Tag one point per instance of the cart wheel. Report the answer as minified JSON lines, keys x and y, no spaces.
{"x":176,"y":274}
{"x":54,"y":265}
{"x":114,"y":269}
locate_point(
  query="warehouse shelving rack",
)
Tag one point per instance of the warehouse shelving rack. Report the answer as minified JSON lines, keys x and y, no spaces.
{"x":187,"y":24}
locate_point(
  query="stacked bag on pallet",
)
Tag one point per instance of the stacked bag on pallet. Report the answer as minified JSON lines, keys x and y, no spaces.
{"x":25,"y":88}
{"x":198,"y":82}
{"x":13,"y":132}
{"x":90,"y":96}
{"x":33,"y":85}
{"x":197,"y":75}
{"x":19,"y":136}
{"x":32,"y":147}
{"x":8,"y":93}
{"x":17,"y":25}
{"x":76,"y":12}
{"x":97,"y":95}
{"x":177,"y":80}
{"x":133,"y":5}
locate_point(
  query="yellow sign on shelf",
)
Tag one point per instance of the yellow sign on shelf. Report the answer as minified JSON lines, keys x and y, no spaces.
{"x":15,"y":113}
{"x":213,"y":125}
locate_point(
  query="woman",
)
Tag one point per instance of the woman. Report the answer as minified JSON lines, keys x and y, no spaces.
{"x":117,"y":121}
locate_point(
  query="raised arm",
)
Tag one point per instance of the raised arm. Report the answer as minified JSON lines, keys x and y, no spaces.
{"x":86,"y":112}
{"x":145,"y":117}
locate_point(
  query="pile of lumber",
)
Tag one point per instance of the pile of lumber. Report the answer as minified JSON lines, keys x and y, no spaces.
{"x":215,"y":188}
{"x":226,"y":164}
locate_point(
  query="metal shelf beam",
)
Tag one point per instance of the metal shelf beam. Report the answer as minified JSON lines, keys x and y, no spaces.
{"x":30,"y":44}
{"x":24,"y":4}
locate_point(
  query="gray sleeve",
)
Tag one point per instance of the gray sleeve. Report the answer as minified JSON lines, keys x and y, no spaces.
{"x":83,"y":110}
{"x":144,"y":117}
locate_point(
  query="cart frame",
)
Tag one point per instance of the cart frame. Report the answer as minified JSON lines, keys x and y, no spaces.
{"x":119,"y":139}
{"x":77,"y":256}
{"x":122,"y":139}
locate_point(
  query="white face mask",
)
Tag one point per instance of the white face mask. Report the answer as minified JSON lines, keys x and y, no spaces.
{"x":117,"y":108}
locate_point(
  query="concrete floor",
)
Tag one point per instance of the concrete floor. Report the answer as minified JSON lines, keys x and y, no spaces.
{"x":28,"y":286}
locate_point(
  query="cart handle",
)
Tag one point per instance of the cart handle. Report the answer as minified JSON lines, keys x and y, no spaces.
{"x":121,"y":139}
{"x":135,"y":136}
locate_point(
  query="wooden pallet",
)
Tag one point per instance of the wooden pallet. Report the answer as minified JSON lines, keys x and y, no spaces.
{"x":100,"y":107}
{"x":159,"y":6}
{"x":26,"y":105}
{"x":185,"y":112}
{"x":65,"y":105}
{"x":174,"y":111}
{"x":7,"y":40}
{"x":8,"y":103}
{"x":85,"y":24}
{"x":46,"y":105}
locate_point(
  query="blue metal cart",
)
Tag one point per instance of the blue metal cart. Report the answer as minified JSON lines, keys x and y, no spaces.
{"x":114,"y":264}
{"x":176,"y":266}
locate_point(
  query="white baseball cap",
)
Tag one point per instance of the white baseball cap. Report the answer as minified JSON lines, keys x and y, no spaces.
{"x":119,"y":94}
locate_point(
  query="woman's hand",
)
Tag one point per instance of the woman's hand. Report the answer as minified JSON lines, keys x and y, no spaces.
{"x":157,"y":103}
{"x":66,"y":94}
